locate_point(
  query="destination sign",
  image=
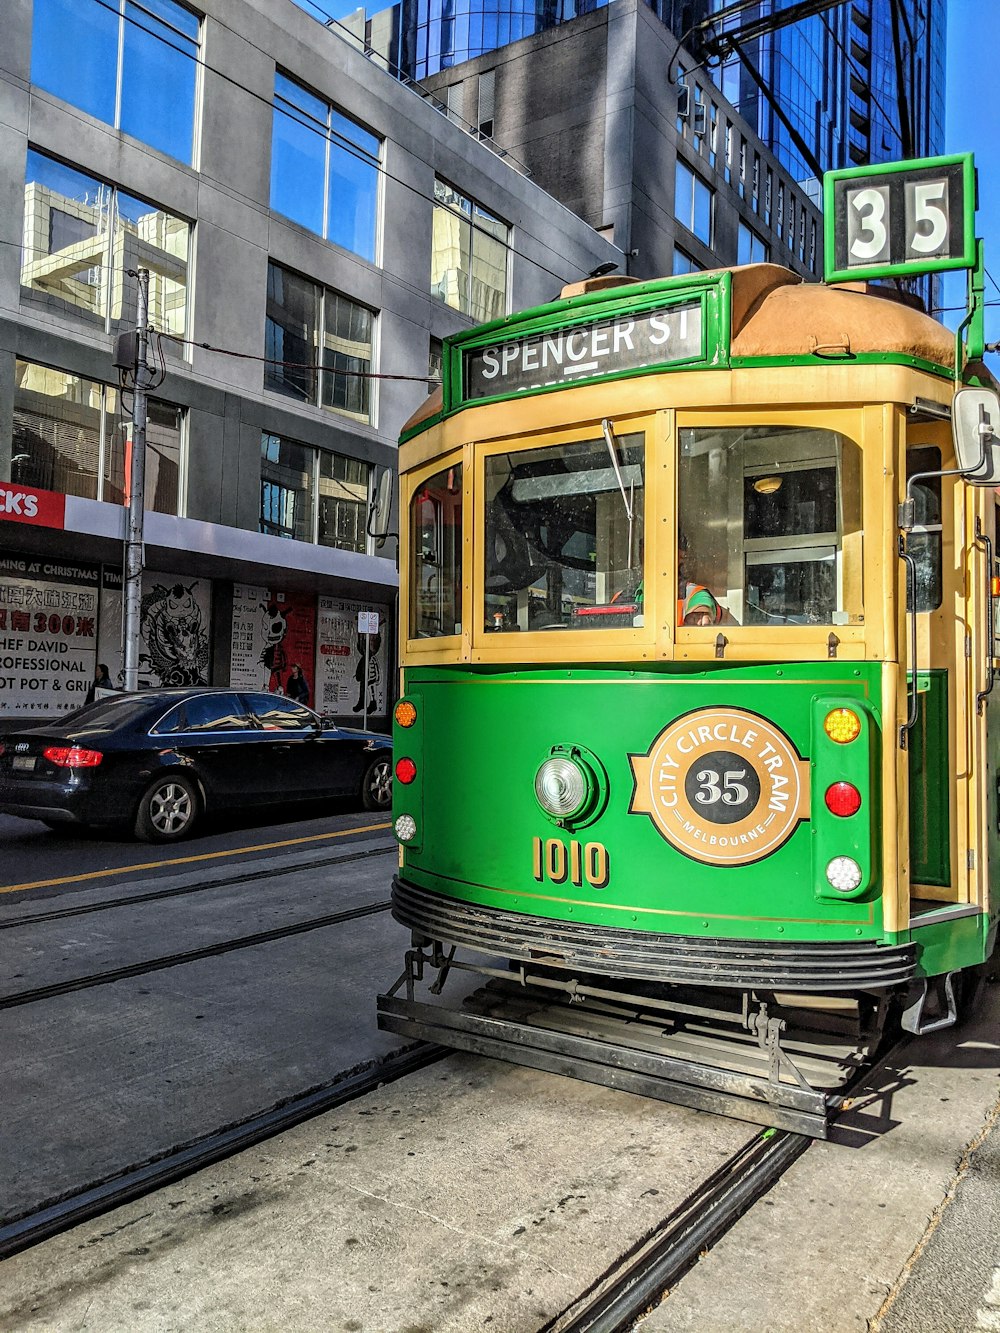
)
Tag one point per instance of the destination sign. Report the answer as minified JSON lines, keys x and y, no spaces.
{"x":628,"y":342}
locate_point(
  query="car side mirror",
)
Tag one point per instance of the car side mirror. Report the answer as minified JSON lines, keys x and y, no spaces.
{"x":975,"y":424}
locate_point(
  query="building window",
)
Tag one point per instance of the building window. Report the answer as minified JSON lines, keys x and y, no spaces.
{"x":487,"y":102}
{"x":750,"y":249}
{"x":435,"y":361}
{"x":81,"y":238}
{"x":312,"y":495}
{"x":318,"y":345}
{"x":324,"y":169}
{"x":469,"y":255}
{"x":693,"y":203}
{"x":72,"y":435}
{"x":131,"y":63}
{"x":683,"y":263}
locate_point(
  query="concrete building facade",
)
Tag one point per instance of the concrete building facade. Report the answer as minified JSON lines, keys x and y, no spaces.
{"x":678,"y":180}
{"x":312,"y":229}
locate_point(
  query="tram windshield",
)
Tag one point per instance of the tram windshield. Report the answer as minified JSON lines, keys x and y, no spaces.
{"x":436,"y":555}
{"x":770,"y":525}
{"x":564,"y":536}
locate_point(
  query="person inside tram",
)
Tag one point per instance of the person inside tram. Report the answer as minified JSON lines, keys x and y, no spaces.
{"x":695,"y":603}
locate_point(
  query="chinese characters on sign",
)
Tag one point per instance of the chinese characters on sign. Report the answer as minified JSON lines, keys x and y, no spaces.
{"x":272,"y":632}
{"x":342,"y":685}
{"x":48,"y":635}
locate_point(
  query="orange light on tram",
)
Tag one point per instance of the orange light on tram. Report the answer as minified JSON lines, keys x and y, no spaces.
{"x":995,"y":586}
{"x":842,"y":725}
{"x":405,"y":713}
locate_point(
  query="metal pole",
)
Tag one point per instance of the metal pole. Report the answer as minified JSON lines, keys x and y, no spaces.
{"x":364,"y":715}
{"x":132,"y":590}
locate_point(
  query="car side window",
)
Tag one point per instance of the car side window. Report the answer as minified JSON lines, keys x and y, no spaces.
{"x":207,"y":712}
{"x":275,"y":713}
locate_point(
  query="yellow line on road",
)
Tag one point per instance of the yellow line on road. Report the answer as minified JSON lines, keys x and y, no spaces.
{"x":189,"y":860}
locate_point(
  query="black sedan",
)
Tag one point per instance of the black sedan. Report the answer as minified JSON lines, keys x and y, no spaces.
{"x":157,"y":760}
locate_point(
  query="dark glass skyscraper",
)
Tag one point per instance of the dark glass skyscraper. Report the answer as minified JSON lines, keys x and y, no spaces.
{"x":861,"y":81}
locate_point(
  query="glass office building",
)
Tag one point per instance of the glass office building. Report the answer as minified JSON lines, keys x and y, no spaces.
{"x":862,"y":81}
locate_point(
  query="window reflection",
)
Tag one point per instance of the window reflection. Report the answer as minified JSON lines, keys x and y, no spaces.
{"x":302,"y":318}
{"x":469,"y":255}
{"x":770,"y":526}
{"x":81,"y":238}
{"x":71,"y":435}
{"x":276,"y":714}
{"x":324,"y":169}
{"x":923,"y":541}
{"x":313,"y":495}
{"x":436,"y":546}
{"x":132,"y":65}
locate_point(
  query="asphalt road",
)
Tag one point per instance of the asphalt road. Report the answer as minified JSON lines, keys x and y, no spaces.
{"x":37,"y":859}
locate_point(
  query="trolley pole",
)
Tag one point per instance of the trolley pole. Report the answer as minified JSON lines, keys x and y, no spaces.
{"x":132,"y":589}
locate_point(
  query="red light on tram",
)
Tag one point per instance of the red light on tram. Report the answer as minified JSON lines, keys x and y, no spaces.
{"x":406,"y":771}
{"x":71,"y":756}
{"x":843,"y":799}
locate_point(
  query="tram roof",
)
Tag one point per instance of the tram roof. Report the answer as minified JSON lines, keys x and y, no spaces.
{"x":774,"y":314}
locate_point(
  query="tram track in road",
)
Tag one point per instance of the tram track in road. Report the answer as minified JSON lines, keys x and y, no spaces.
{"x":143,"y":968}
{"x":177,"y":891}
{"x":136,"y":1181}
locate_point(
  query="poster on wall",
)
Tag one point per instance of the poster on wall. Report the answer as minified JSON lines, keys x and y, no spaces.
{"x":272,"y":632}
{"x":343,"y":686}
{"x":175,"y":628}
{"x":48,"y":635}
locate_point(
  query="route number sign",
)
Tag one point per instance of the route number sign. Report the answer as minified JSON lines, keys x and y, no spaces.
{"x":900,"y":218}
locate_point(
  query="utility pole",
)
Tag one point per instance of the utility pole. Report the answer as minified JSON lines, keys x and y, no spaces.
{"x":132,"y":588}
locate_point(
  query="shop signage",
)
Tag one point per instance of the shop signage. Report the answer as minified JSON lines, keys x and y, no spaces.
{"x":272,"y":631}
{"x":343,"y":686}
{"x":26,"y":504}
{"x":48,"y":635}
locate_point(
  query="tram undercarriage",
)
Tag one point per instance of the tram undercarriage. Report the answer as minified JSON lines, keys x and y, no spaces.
{"x":773,"y":1058}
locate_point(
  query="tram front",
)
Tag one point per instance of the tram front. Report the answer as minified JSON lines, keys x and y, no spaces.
{"x":651,"y":678}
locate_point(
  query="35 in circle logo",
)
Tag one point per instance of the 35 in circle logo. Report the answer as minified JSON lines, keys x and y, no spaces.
{"x":723,"y":785}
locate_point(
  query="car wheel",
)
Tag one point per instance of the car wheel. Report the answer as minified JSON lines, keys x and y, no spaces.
{"x":168,"y":810}
{"x":376,"y":787}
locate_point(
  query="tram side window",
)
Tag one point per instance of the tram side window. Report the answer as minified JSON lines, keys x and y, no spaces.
{"x":923,"y":542}
{"x":436,"y":555}
{"x":770,"y":525}
{"x":564,"y":536}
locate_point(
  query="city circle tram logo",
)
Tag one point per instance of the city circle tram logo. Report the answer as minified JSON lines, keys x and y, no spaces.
{"x":723,"y":785}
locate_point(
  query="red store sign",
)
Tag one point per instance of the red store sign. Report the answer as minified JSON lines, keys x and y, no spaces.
{"x":24,"y":504}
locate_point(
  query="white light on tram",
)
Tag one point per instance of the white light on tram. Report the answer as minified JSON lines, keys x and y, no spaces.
{"x":405,"y":828}
{"x":561,"y":787}
{"x":844,"y":874}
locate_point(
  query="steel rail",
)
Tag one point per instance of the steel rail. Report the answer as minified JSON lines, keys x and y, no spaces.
{"x":114,"y":974}
{"x":59,"y":914}
{"x":134,"y":1182}
{"x":639,"y":1279}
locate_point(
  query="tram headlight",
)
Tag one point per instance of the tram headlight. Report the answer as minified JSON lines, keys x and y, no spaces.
{"x":842,"y":725}
{"x":844,"y":874}
{"x":562,"y":787}
{"x":405,"y":828}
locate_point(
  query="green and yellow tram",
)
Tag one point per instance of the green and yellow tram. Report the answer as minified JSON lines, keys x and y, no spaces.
{"x":697,"y":645}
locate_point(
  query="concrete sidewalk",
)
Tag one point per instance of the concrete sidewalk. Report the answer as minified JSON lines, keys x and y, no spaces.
{"x":833,"y":1244}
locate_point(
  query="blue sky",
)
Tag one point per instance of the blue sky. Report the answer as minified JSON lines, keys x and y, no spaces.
{"x":972,"y":124}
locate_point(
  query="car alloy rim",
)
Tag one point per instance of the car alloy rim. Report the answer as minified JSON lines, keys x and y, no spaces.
{"x":380,"y":783}
{"x":169,"y":808}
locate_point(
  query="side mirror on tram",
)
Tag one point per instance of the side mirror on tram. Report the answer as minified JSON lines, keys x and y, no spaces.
{"x":975,"y":425}
{"x":380,"y":506}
